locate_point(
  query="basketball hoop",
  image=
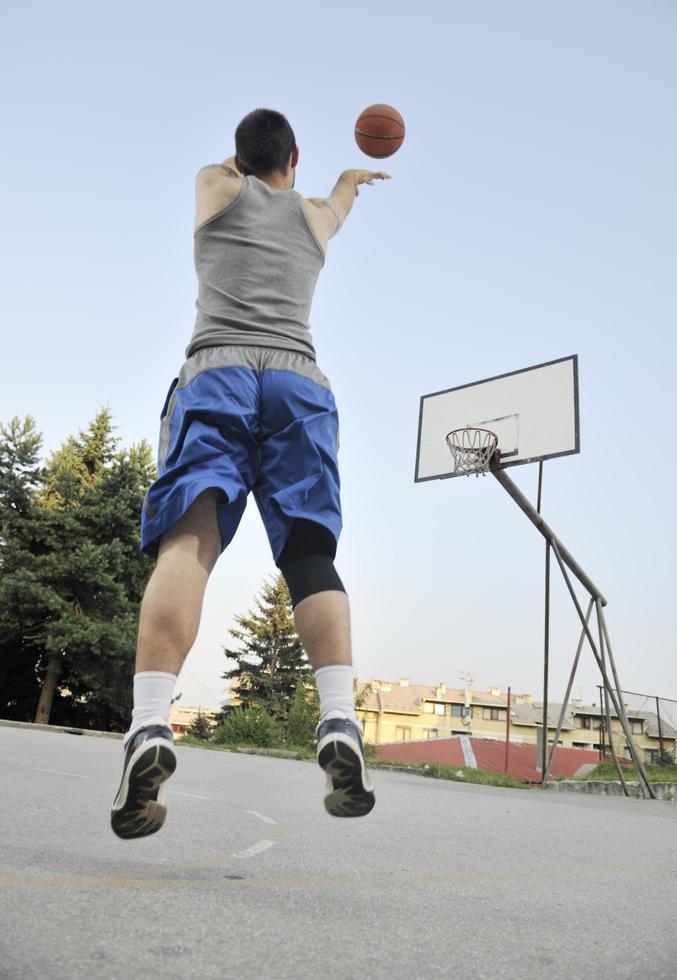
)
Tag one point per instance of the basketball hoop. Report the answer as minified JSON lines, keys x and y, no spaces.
{"x":472,"y":450}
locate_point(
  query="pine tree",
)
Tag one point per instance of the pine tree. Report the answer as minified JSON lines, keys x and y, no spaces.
{"x":201,"y":727}
{"x":271,"y":661}
{"x":20,"y":478}
{"x":72,"y":574}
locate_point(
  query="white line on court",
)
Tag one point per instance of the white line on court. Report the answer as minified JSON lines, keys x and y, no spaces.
{"x":262,"y":816}
{"x":59,"y":772}
{"x":257,"y":848}
{"x":194,"y":796}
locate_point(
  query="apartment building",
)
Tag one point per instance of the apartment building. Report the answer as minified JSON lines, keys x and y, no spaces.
{"x":399,"y":711}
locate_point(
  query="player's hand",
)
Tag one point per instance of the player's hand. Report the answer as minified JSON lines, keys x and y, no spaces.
{"x":365,"y":177}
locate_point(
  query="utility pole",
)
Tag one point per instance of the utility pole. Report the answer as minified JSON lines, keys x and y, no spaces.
{"x":507,"y":733}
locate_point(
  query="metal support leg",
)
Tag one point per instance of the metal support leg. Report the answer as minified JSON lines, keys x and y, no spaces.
{"x":565,"y":558}
{"x":560,"y":723}
{"x":546,"y":663}
{"x":622,"y":714}
{"x":546,"y":531}
{"x":620,"y":711}
{"x":604,"y":705}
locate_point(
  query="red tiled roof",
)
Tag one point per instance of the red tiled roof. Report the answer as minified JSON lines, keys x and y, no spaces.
{"x":408,"y":698}
{"x":490,"y":754}
{"x":447,"y":751}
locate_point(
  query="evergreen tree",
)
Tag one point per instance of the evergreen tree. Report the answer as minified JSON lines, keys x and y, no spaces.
{"x":20,"y":478}
{"x":271,"y":662}
{"x":201,"y":727}
{"x":72,"y":574}
{"x":304,"y":716}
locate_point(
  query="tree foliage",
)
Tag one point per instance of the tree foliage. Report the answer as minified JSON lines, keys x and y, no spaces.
{"x":201,"y":727}
{"x":271,"y":662}
{"x":250,"y":726}
{"x":72,"y":575}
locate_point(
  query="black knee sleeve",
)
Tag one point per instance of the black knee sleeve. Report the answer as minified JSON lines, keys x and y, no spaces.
{"x":310,"y":574}
{"x":307,"y":561}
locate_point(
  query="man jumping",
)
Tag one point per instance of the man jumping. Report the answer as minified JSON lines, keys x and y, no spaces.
{"x":250,"y":411}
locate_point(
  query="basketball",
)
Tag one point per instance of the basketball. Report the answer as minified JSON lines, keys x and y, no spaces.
{"x":379,"y":131}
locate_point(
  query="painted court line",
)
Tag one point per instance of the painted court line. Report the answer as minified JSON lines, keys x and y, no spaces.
{"x":262,"y":816}
{"x":59,"y":772}
{"x":193,"y":796}
{"x":257,"y":848}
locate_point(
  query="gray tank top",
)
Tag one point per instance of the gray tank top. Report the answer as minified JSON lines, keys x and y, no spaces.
{"x":257,"y":264}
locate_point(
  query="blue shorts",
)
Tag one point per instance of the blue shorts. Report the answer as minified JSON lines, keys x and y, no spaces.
{"x":247,"y":419}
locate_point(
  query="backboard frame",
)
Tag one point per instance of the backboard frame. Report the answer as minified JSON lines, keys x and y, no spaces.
{"x":506,"y":461}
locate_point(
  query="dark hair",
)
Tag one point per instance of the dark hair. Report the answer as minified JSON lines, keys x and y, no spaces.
{"x":264,"y":141}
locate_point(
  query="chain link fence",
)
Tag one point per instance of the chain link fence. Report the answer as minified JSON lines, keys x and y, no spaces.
{"x":653,"y":726}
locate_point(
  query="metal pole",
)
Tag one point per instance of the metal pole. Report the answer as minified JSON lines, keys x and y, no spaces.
{"x":604,"y":704}
{"x":546,"y":531}
{"x":600,"y":688}
{"x":546,"y":636}
{"x":605,"y":677}
{"x":560,"y":723}
{"x":564,"y":557}
{"x":600,"y":663}
{"x":507,"y":734}
{"x":546,"y":663}
{"x":639,"y":765}
{"x":660,"y":731}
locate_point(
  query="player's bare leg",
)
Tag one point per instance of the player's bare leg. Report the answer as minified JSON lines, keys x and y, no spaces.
{"x":323,"y":624}
{"x":168,"y":624}
{"x":172,"y":604}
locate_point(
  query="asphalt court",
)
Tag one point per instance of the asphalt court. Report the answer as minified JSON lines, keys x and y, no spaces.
{"x":440,"y":874}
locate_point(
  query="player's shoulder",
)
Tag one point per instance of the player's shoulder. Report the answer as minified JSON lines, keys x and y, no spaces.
{"x":218,"y":173}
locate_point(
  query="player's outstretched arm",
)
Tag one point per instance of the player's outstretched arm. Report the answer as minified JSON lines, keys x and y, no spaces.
{"x":334,"y":210}
{"x":347,"y":189}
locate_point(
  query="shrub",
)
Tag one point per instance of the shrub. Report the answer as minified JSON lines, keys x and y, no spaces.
{"x":304,"y":715}
{"x":201,"y":727}
{"x":249,"y":726}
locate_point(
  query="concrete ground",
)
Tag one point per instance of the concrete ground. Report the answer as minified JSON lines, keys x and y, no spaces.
{"x":250,"y":878}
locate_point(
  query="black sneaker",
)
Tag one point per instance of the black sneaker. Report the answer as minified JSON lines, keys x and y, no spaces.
{"x":139,"y":808}
{"x":349,"y":791}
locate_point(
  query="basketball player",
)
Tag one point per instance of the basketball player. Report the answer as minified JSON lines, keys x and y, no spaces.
{"x":249,"y":411}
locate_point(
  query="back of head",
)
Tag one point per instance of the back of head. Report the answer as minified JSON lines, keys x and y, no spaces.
{"x":264,"y":141}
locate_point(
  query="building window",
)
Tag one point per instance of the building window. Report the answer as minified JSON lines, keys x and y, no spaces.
{"x":635,"y":726}
{"x":493,"y":714}
{"x":439,"y":709}
{"x":402,"y":733}
{"x":457,"y":711}
{"x":428,"y":707}
{"x":584,"y":721}
{"x":430,"y":733}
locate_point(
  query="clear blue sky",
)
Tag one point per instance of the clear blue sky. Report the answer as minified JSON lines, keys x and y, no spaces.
{"x":532,"y":214}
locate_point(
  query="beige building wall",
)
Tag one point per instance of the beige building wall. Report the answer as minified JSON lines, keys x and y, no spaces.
{"x":400,"y":711}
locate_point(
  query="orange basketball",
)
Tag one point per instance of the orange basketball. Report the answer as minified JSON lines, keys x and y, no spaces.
{"x":379,"y":131}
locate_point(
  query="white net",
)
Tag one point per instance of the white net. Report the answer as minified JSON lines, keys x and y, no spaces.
{"x":472,"y":450}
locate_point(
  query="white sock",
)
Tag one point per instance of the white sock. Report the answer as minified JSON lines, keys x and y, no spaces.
{"x":335,"y":688}
{"x":153,"y":690}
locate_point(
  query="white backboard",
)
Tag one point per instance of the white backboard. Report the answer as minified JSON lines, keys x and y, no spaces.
{"x":534,"y":413}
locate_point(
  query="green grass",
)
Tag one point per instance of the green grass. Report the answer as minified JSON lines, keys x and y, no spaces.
{"x":656,"y":774}
{"x":301,"y":751}
{"x":458,"y":774}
